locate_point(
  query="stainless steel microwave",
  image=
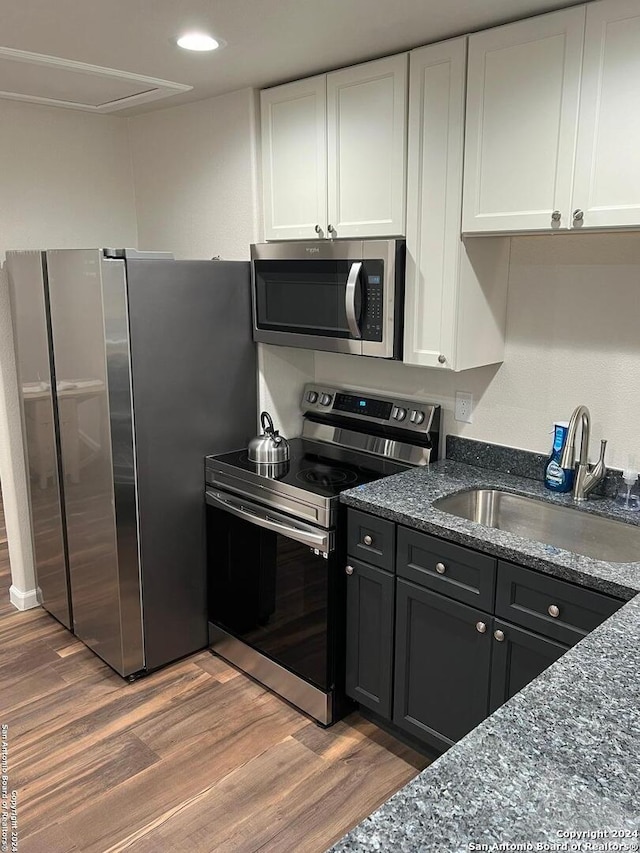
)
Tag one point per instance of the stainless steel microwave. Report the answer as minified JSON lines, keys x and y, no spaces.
{"x":334,"y":295}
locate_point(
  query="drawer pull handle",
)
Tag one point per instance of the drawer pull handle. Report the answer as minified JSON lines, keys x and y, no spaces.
{"x":349,"y":570}
{"x":481,"y":627}
{"x":368,"y":540}
{"x":499,"y":635}
{"x":553,"y":610}
{"x":441,"y":568}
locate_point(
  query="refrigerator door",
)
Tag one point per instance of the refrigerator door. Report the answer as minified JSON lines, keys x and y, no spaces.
{"x":94,"y":405}
{"x":33,"y":358}
{"x":194,"y":381}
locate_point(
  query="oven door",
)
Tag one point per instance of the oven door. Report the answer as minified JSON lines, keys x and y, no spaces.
{"x":269,"y":584}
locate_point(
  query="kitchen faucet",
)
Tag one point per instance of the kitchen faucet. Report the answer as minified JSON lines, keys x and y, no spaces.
{"x":585,"y":478}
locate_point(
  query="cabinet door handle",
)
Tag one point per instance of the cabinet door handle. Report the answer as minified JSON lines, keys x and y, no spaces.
{"x":553,"y":610}
{"x":441,"y":568}
{"x":368,"y":540}
{"x":578,"y":215}
{"x":499,"y":635}
{"x":556,"y":216}
{"x":331,"y":229}
{"x":318,"y":229}
{"x":481,"y":627}
{"x":349,"y":570}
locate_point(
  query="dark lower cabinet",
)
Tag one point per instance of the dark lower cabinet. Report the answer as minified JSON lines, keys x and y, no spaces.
{"x":421,"y":654}
{"x":442,"y":664}
{"x":518,"y":657}
{"x":370,"y":616}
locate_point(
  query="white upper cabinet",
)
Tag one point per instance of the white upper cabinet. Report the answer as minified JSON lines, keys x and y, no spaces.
{"x":294,"y":160}
{"x":334,"y":153}
{"x":522,"y":108}
{"x":366,"y":135}
{"x":455,"y":297}
{"x":607,"y":174}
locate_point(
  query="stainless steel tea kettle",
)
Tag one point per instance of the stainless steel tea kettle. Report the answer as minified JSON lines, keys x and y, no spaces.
{"x":270,"y":447}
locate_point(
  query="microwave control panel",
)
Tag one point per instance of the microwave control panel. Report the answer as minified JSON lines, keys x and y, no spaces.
{"x":371,"y":322}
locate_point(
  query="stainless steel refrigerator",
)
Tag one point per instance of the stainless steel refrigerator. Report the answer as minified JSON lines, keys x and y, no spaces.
{"x":132,"y":368}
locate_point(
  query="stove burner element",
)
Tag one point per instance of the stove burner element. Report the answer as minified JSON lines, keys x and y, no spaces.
{"x":325,"y":475}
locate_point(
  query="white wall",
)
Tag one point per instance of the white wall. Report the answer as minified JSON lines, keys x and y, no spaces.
{"x":197,"y":195}
{"x":572,"y":337}
{"x":65,"y":181}
{"x":195,"y":177}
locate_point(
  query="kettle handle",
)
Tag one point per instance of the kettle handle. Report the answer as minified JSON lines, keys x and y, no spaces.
{"x":267,"y":425}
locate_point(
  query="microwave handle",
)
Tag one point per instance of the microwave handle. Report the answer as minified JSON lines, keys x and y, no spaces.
{"x":353,"y":281}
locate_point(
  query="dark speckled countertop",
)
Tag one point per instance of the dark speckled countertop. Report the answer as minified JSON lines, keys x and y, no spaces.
{"x":562,"y":755}
{"x":408,"y":498}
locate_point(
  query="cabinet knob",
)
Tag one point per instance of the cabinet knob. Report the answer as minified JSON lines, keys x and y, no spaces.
{"x":578,"y":215}
{"x":331,"y":229}
{"x":368,"y":540}
{"x":349,"y":570}
{"x":553,"y":610}
{"x":441,"y":568}
{"x":481,"y":627}
{"x":556,"y":216}
{"x":442,"y":359}
{"x":499,"y":635}
{"x":318,"y":229}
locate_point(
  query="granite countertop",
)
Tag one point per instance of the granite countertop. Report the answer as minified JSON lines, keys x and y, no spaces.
{"x":407,"y":498}
{"x":562,"y":755}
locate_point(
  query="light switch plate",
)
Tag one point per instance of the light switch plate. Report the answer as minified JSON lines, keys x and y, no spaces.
{"x":464,"y":407}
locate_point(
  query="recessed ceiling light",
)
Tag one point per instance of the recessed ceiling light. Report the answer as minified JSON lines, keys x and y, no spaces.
{"x":197,"y":41}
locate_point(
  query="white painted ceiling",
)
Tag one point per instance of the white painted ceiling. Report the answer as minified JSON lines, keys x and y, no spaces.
{"x":268,"y":41}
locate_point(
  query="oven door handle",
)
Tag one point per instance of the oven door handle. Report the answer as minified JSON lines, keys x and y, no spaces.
{"x":321,"y":541}
{"x":350,"y":299}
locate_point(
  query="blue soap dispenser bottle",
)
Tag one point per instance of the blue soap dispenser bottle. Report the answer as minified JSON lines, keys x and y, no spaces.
{"x":558,"y":479}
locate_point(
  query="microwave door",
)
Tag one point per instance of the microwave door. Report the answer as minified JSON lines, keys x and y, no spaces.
{"x":315,"y":304}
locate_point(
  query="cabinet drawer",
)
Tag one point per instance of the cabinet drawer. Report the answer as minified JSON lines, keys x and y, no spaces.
{"x":452,"y":570}
{"x":550,"y":606}
{"x":371,"y":539}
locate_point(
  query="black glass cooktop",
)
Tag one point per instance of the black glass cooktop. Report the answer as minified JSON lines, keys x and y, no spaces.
{"x":307,"y":469}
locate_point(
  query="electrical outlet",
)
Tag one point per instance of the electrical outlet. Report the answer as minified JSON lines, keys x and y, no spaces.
{"x":464,"y":407}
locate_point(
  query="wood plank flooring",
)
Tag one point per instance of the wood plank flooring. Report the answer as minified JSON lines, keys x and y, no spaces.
{"x":194,"y":758}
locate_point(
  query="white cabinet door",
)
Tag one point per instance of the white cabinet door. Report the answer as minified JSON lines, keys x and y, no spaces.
{"x":436,"y":135}
{"x":607,"y":176}
{"x":456,"y":294}
{"x":366,"y":134}
{"x":522,"y":104}
{"x":294,"y":160}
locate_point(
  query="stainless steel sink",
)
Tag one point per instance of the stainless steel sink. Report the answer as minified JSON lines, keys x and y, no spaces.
{"x":561,"y":526}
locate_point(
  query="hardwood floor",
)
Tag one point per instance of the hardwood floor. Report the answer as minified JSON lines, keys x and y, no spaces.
{"x":194,"y":758}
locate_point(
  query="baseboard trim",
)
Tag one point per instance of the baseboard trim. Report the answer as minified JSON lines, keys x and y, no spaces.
{"x":23,"y":600}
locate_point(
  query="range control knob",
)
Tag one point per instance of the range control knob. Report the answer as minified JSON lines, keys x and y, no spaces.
{"x":312,"y":396}
{"x":325,"y":399}
{"x":417,"y":417}
{"x":398,"y":413}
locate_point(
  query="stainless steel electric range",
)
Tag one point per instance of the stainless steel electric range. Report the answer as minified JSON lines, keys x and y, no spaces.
{"x":276,"y":539}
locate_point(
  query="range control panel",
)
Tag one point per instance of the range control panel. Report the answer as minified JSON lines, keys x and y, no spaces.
{"x":406,"y":414}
